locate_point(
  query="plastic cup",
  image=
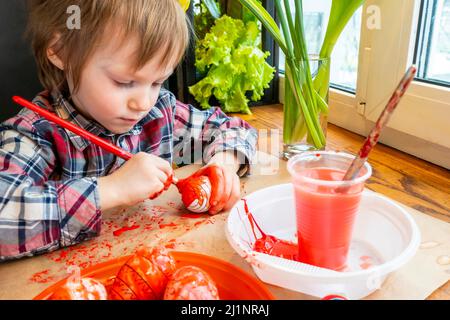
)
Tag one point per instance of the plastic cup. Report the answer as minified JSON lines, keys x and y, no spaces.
{"x":325,"y":206}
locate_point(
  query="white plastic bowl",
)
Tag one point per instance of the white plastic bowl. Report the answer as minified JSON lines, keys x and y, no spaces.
{"x":384,"y":236}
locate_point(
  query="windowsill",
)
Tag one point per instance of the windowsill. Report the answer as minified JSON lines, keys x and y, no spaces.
{"x":346,"y":117}
{"x":344,"y":114}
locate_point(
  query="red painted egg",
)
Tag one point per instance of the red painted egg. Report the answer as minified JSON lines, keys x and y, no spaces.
{"x":83,"y":289}
{"x":195,"y":193}
{"x":144,"y":276}
{"x":191,"y":283}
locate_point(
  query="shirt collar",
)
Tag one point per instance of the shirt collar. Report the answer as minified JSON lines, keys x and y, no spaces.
{"x":65,"y":110}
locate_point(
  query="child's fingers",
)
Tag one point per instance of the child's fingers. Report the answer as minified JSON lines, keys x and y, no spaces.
{"x":164,"y":166}
{"x":235,"y":193}
{"x":156,"y":194}
{"x":165,"y":185}
{"x":160,"y":175}
{"x":217,"y":179}
{"x":227,"y":188}
{"x":230,"y":194}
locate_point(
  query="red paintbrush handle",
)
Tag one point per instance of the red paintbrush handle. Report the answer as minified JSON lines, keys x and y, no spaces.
{"x":374,"y":135}
{"x":70,"y":126}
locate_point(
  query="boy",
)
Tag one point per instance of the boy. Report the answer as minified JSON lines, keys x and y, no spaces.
{"x":106,"y":77}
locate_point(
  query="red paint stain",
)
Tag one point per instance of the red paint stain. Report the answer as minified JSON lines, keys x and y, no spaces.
{"x":366,"y":262}
{"x":365,"y":265}
{"x":162,"y":225}
{"x":278,"y":248}
{"x":269,"y":244}
{"x":42,"y":277}
{"x":100,"y":249}
{"x":62,"y":255}
{"x":118,"y":232}
{"x":192,"y":215}
{"x":172,"y":204}
{"x":366,"y":148}
{"x":170,"y":244}
{"x":198,"y":223}
{"x":156,"y":210}
{"x":148,"y":227}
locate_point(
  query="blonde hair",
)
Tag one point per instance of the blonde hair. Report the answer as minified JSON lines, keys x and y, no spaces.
{"x":158,"y":24}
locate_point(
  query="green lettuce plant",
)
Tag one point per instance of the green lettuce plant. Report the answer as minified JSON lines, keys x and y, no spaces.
{"x":308,"y":96}
{"x":233,"y":65}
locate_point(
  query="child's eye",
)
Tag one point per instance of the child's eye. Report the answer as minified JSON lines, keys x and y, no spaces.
{"x":124,"y":84}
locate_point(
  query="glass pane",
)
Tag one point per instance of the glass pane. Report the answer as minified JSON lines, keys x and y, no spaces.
{"x":434,"y":42}
{"x":344,"y":60}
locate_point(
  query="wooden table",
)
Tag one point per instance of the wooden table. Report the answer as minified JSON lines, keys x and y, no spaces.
{"x":400,"y":176}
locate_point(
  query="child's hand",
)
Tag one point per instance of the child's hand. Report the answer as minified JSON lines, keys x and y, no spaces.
{"x":141,"y":177}
{"x":225,"y":184}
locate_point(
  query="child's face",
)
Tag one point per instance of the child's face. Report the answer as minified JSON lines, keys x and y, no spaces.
{"x":111,"y":93}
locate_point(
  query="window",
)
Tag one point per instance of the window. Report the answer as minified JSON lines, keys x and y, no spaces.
{"x":344,"y":64}
{"x":433,"y":42}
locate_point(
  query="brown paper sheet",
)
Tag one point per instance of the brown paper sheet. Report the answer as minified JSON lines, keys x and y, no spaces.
{"x":165,"y":221}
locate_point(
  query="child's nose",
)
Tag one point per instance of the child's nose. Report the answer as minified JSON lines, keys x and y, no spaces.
{"x":141,"y":102}
{"x":137,"y":106}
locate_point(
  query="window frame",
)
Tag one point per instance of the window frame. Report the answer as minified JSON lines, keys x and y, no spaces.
{"x":422,"y":50}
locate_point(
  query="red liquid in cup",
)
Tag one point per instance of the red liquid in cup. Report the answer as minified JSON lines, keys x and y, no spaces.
{"x":325,"y":218}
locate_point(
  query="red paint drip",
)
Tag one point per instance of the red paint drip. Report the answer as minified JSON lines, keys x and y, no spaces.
{"x":269,"y":244}
{"x":192,"y":215}
{"x":366,"y":262}
{"x":42,"y":277}
{"x":161,"y":225}
{"x":198,"y":223}
{"x":118,"y":232}
{"x":62,"y":255}
{"x":170,"y":244}
{"x":166,"y":186}
{"x":366,"y":149}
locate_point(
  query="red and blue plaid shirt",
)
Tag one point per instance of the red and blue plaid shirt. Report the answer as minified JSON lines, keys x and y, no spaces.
{"x":48,"y":175}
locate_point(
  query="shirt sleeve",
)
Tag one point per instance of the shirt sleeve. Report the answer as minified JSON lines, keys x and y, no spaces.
{"x":199,"y":135}
{"x":38,"y":215}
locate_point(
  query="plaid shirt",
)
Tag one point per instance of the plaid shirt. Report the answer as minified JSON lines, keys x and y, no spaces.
{"x":48,"y":175}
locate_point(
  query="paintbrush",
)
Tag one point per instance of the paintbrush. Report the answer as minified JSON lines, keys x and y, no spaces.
{"x":77,"y":130}
{"x":374,"y":135}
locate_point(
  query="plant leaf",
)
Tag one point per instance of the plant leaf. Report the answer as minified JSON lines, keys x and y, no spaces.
{"x":213,"y":8}
{"x":340,"y":14}
{"x":266,"y":19}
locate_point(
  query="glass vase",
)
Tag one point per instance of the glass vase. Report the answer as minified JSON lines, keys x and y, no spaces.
{"x":297,"y":135}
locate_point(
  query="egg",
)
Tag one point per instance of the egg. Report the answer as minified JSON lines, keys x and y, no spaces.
{"x":191,"y":283}
{"x":144,"y":276}
{"x":81,"y":289}
{"x":195,"y":193}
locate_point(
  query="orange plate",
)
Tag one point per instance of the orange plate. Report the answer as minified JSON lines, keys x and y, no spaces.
{"x":233,"y":283}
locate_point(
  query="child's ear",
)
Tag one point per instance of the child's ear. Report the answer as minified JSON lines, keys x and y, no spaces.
{"x":52,"y":55}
